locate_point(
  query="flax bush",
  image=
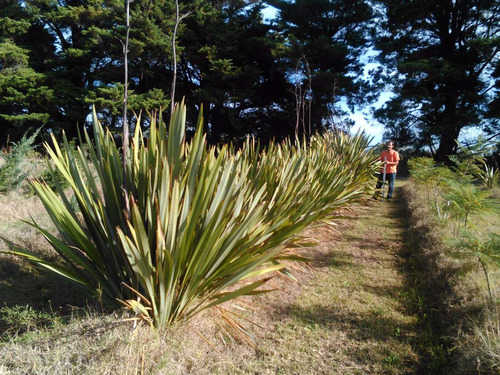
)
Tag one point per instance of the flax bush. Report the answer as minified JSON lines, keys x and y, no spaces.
{"x":200,"y":219}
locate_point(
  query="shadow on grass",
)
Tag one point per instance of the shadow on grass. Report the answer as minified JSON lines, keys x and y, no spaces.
{"x":338,"y":261}
{"x":366,"y":243}
{"x":431,"y":294}
{"x":23,"y":285}
{"x":371,"y":325}
{"x":392,"y":291}
{"x":34,"y":297}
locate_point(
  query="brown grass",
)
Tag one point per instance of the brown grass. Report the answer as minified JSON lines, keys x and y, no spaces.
{"x":20,"y":283}
{"x":348,"y":313}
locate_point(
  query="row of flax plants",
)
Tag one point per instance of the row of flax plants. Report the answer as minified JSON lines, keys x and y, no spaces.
{"x":204,"y":224}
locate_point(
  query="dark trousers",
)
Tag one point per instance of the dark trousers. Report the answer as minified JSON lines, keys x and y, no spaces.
{"x":390,"y":178}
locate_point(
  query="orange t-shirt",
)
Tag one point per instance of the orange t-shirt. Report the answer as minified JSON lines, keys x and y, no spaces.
{"x":392,"y":157}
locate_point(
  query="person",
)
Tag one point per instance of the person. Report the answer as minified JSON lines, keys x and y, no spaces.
{"x":390,"y":158}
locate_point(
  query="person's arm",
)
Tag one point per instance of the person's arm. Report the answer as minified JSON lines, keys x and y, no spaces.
{"x":395,"y":162}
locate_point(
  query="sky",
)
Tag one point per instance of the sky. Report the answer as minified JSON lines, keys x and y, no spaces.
{"x":363,"y":118}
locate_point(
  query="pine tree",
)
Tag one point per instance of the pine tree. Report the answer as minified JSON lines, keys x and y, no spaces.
{"x":330,"y":35}
{"x":23,"y":91}
{"x":441,"y":55}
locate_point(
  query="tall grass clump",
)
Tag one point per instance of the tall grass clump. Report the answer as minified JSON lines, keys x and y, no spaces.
{"x":204,"y":225}
{"x":489,"y":176}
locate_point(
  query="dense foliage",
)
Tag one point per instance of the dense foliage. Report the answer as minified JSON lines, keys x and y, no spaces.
{"x":57,"y":58}
{"x":200,"y":219}
{"x":453,"y":192}
{"x":446,"y":54}
{"x":15,"y":167}
{"x":294,"y":74}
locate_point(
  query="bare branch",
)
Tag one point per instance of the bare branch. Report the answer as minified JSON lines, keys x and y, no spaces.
{"x":178,"y":19}
{"x":125,"y":104}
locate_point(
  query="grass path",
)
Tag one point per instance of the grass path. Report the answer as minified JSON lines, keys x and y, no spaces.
{"x":353,"y":317}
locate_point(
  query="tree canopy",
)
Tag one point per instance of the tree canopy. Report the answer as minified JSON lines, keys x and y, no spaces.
{"x":60,"y":57}
{"x":266,"y":79}
{"x":443,"y":61}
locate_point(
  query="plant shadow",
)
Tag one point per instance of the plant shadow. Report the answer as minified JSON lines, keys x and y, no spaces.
{"x":21,"y":284}
{"x":371,"y":325}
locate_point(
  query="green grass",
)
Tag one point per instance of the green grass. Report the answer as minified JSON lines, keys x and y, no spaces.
{"x":350,"y":318}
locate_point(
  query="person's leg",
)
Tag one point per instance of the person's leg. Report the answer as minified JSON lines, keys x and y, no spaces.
{"x":391,"y":178}
{"x":378,"y":186}
{"x":379,"y":181}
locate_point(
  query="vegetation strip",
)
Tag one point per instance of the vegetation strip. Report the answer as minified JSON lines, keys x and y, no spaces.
{"x":353,"y":316}
{"x":367,"y":303}
{"x":167,"y":230}
{"x":350,"y":316}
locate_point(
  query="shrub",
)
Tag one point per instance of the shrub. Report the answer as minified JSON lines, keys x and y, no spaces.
{"x":168,"y":232}
{"x":489,"y":176}
{"x":14,"y":171}
{"x":464,"y":199}
{"x":434,"y":179}
{"x":53,"y":177}
{"x":486,"y":251}
{"x":22,"y":319}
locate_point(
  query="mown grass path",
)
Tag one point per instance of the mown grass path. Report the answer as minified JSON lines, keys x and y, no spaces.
{"x":354,"y":316}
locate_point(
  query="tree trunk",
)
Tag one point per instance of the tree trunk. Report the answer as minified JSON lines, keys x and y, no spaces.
{"x":447,"y":145}
{"x":449,"y":127}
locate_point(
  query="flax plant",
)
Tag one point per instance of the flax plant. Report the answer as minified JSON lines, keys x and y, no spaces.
{"x":489,"y":176}
{"x":205,"y":226}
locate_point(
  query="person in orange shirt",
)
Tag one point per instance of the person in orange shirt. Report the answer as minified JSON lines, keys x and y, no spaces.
{"x":390,"y":158}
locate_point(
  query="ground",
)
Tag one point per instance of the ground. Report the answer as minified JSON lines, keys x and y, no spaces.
{"x":353,"y":316}
{"x":347,"y":313}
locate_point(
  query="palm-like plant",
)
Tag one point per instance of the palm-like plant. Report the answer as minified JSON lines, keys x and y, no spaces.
{"x":489,"y":175}
{"x":200,"y":219}
{"x":487,"y":251}
{"x":434,"y":179}
{"x":465,"y":200}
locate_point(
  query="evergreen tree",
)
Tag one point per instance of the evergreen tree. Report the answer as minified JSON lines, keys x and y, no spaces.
{"x":329,"y":36}
{"x":228,"y":64}
{"x":441,"y":57}
{"x":87,"y":67}
{"x":69,"y":56}
{"x":23,"y":91}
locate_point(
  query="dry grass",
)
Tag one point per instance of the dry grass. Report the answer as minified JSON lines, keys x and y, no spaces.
{"x":347,"y":314}
{"x":363,"y":305}
{"x":16,"y":207}
{"x":20,"y":283}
